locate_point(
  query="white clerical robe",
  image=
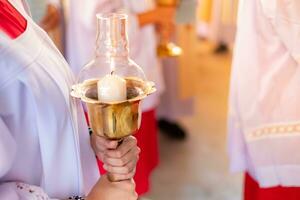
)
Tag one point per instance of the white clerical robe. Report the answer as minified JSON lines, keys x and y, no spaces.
{"x":142,"y":40}
{"x":264,"y":118}
{"x":44,"y":144}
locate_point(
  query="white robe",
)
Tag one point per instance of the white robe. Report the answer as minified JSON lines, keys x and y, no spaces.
{"x":142,"y":41}
{"x":44,"y":138}
{"x":264,"y":118}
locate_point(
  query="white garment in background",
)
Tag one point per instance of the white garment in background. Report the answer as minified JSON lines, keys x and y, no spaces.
{"x":222,"y":27}
{"x":142,"y":40}
{"x":44,"y":136}
{"x":264,"y":118}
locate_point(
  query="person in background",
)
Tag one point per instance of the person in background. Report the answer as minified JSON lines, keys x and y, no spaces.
{"x":169,"y":110}
{"x":45,"y":150}
{"x":223,"y":24}
{"x":144,"y":16}
{"x":48,"y":15}
{"x":217,"y":22}
{"x":264,"y":108}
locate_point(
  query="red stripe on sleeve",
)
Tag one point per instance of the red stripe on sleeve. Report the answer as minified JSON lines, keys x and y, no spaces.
{"x":11,"y":21}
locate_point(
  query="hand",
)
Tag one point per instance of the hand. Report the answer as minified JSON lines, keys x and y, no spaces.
{"x":164,"y":15}
{"x":119,"y":161}
{"x":165,"y":31}
{"x":106,"y":190}
{"x":161,"y":15}
{"x":51,"y":19}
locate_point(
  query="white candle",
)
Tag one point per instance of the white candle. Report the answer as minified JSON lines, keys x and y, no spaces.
{"x":112,"y":88}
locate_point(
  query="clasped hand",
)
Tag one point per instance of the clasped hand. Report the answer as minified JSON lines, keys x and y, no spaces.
{"x":119,"y":160}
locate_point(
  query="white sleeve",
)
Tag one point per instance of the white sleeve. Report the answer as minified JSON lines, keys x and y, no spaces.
{"x":14,"y":190}
{"x":7,"y":149}
{"x":285,"y":18}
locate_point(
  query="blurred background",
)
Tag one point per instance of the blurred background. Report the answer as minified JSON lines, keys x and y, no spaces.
{"x":193,"y":162}
{"x":197,"y":168}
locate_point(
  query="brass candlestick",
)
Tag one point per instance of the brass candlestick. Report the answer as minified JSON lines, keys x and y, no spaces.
{"x":167,"y":48}
{"x":112,"y":119}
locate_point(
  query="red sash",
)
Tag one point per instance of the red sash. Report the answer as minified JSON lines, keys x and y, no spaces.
{"x":11,"y":21}
{"x":254,"y":192}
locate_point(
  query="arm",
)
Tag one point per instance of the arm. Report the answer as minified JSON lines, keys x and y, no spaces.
{"x":52,"y":16}
{"x":103,"y":189}
{"x":13,"y":190}
{"x":156,"y":16}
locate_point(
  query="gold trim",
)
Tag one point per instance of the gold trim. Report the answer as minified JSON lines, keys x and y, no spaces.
{"x":275,"y":131}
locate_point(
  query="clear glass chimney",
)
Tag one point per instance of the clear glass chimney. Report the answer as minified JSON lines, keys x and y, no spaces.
{"x":112,"y":51}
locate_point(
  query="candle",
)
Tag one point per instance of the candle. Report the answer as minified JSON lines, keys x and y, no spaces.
{"x":112,"y":88}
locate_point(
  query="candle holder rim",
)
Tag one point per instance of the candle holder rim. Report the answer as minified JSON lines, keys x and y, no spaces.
{"x":78,"y":91}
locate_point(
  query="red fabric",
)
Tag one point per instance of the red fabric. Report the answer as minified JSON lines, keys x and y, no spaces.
{"x":87,"y":118}
{"x":252,"y":191}
{"x":149,"y":156}
{"x":11,"y":21}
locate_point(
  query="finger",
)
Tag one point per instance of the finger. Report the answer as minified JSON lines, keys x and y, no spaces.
{"x":123,"y":149}
{"x":103,"y":143}
{"x":121,"y":170}
{"x":97,"y":144}
{"x":133,"y":154}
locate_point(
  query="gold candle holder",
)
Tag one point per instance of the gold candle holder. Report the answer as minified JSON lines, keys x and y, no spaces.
{"x":167,"y":48}
{"x":114,"y":120}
